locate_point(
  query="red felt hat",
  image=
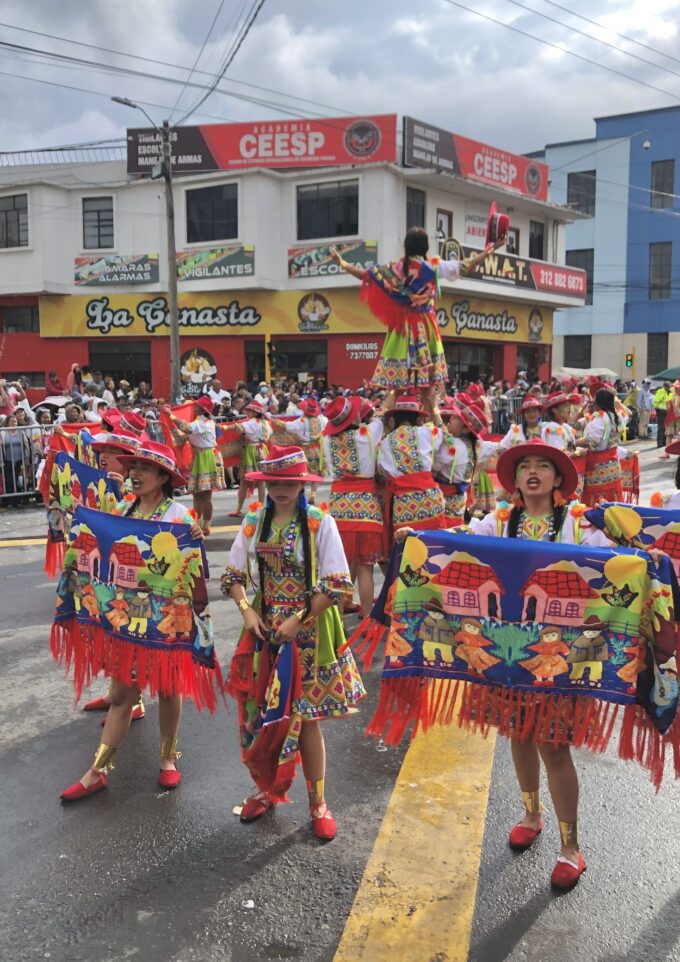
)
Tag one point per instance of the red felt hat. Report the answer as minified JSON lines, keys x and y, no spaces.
{"x":510,"y":458}
{"x":310,"y":407}
{"x":152,"y":452}
{"x":471,"y":413}
{"x":673,"y":447}
{"x":555,"y":399}
{"x":448,"y":407}
{"x":120,"y":441}
{"x":110,"y":418}
{"x":497,"y":226}
{"x":341,"y":412}
{"x":409,"y":402}
{"x":531,"y":404}
{"x":256,"y":406}
{"x":366,"y":408}
{"x":132,"y":423}
{"x":283,"y":464}
{"x":205,"y":403}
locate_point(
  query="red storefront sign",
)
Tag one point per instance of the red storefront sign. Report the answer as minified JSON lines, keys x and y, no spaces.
{"x":278,"y":144}
{"x":429,"y":146}
{"x":559,"y":280}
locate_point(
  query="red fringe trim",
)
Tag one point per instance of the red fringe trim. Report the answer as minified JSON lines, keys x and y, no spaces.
{"x":362,"y":547}
{"x":395,"y":316}
{"x":538,"y":717}
{"x":54,"y":557}
{"x":365,"y":640}
{"x":89,"y":650}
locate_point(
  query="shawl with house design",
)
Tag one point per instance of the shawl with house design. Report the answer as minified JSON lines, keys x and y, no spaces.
{"x":132,"y":603}
{"x":72,"y":483}
{"x":547,"y":642}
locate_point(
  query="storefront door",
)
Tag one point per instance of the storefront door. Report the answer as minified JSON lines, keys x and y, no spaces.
{"x":130,"y":360}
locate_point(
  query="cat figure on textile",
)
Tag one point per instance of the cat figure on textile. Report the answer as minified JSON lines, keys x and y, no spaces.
{"x":158,"y":566}
{"x":413,"y":579}
{"x":620,"y":597}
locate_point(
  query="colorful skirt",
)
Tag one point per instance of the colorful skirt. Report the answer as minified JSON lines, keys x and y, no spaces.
{"x":602,"y":478}
{"x":415,"y":501}
{"x":414,"y":358}
{"x":314,"y":457}
{"x":358,"y":513}
{"x":252,"y":455}
{"x":630,"y":478}
{"x":204,"y":475}
{"x":455,"y":499}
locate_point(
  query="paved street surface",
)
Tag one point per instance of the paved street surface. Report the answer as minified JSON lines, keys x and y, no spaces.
{"x":420,"y":870}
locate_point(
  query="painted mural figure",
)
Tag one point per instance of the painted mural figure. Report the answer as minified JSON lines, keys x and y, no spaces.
{"x":472,"y":645}
{"x":549,"y":661}
{"x":589,"y":653}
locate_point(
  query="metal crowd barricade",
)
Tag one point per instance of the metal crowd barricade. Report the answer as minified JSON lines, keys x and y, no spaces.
{"x":510,"y":405}
{"x":22,"y":449}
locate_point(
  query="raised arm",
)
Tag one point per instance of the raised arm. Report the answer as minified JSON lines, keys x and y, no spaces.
{"x":352,"y":269}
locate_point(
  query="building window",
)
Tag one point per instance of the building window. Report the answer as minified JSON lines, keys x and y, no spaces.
{"x":97,"y":222}
{"x":212,"y":213}
{"x":415,"y":207}
{"x":660,"y":271}
{"x":34,"y":378}
{"x":20,"y":320}
{"x":577,"y":350}
{"x":657,"y":353}
{"x":536,"y":239}
{"x":663,"y":181}
{"x":585,"y":260}
{"x":512,"y":242}
{"x":581,"y":191}
{"x":14,"y":220}
{"x":329,"y":209}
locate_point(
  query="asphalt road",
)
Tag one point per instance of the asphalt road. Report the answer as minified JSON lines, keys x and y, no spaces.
{"x":138,"y":873}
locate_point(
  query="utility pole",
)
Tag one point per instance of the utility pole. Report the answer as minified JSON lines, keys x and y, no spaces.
{"x":173,"y":314}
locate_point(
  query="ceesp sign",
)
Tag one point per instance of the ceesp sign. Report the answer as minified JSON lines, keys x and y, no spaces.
{"x":275,"y":144}
{"x":428,"y":146}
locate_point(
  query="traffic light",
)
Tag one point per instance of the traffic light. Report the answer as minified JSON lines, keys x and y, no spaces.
{"x":629,"y":359}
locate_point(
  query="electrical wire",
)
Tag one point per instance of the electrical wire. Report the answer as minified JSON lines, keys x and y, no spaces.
{"x":198,"y":57}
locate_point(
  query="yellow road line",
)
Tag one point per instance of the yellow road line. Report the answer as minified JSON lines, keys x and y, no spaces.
{"x":416,"y":899}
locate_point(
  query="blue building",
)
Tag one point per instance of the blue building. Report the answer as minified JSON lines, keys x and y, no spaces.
{"x":625,"y":179}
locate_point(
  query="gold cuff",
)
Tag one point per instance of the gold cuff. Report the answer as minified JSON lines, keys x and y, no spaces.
{"x":243,"y":604}
{"x":532,"y":802}
{"x":169,"y":748}
{"x":569,"y":833}
{"x":103,"y":758}
{"x":315,"y":790}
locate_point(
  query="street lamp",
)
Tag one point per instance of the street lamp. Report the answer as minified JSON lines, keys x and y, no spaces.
{"x":164,"y":131}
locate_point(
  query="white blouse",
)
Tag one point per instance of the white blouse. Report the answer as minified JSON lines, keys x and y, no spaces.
{"x":452,"y":460}
{"x":409,"y":450}
{"x":586,"y":533}
{"x":560,"y":436}
{"x":202,"y":434}
{"x":353,"y":452}
{"x":301,"y":428}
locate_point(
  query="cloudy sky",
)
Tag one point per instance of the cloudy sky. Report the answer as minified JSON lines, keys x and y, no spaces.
{"x":437,"y":60}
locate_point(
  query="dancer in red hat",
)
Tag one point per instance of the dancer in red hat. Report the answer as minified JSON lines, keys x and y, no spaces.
{"x":256,"y":434}
{"x":402,"y":296}
{"x":468,"y":423}
{"x":204,"y":477}
{"x":153,"y":475}
{"x":600,"y":441}
{"x":286,"y":674}
{"x":406,"y":457}
{"x":557,"y":430}
{"x":350,"y":449}
{"x":529,"y":427}
{"x":672,"y":421}
{"x":454,"y":463}
{"x":308,"y":430}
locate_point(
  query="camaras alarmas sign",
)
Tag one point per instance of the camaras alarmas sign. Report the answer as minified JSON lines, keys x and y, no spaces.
{"x":429,"y":146}
{"x":276,"y":143}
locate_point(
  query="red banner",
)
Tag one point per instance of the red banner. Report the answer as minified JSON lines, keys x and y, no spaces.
{"x":569,"y":281}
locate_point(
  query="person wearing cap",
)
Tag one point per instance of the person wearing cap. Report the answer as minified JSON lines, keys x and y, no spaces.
{"x":307,"y":430}
{"x":556,"y":430}
{"x":406,"y":456}
{"x":600,"y":441}
{"x":662,"y":396}
{"x":350,"y":447}
{"x":672,"y":420}
{"x":291,"y":553}
{"x":542,"y":480}
{"x":529,"y":426}
{"x":204,"y":476}
{"x":644,"y":404}
{"x":153,"y":477}
{"x":402,"y":296}
{"x":256,"y":433}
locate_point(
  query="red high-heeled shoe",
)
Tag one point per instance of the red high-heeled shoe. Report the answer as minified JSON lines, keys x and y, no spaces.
{"x":97,"y":704}
{"x":255,"y":806}
{"x":139,"y":711}
{"x":77,"y":791}
{"x":521,"y":838}
{"x":323,"y":824}
{"x":566,"y":873}
{"x":169,"y":777}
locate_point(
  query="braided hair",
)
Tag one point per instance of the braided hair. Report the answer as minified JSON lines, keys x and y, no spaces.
{"x":558,"y":513}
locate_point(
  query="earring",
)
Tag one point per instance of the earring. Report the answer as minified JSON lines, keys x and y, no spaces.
{"x":558,"y":498}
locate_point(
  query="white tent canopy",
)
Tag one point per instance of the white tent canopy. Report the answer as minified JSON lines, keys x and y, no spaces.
{"x":582,"y":372}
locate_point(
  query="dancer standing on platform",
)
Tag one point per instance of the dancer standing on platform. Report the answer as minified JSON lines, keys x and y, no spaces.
{"x":204,"y":477}
{"x":308,"y":430}
{"x":286,"y":674}
{"x":350,"y":454}
{"x":153,"y":475}
{"x":402,"y":296}
{"x":256,"y":434}
{"x":600,"y":440}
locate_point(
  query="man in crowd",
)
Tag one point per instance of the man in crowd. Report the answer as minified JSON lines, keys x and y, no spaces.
{"x":644,"y":403}
{"x":660,"y":404}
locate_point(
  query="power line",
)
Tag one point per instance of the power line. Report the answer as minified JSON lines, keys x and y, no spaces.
{"x":229,"y":60}
{"x":198,"y":57}
{"x":557,"y":46}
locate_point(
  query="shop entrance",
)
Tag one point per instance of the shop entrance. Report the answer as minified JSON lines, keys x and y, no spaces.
{"x":290,"y":358}
{"x":130,"y":360}
{"x":527,"y":360}
{"x":469,"y":362}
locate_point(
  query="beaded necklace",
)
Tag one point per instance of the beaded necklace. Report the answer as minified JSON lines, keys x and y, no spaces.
{"x":536,"y":529}
{"x":154,"y":515}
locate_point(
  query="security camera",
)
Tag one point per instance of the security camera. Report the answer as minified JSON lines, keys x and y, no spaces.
{"x":646,"y":145}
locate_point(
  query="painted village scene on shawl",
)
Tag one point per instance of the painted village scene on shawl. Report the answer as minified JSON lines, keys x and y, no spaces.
{"x":340,"y":481}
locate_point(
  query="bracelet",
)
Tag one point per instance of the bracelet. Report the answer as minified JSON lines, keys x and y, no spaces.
{"x":303,"y":616}
{"x":243,"y":604}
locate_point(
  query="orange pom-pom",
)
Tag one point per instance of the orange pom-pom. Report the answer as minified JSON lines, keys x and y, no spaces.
{"x":577,"y":510}
{"x":656,"y":500}
{"x":249,"y":530}
{"x":129,"y":496}
{"x":193,"y":514}
{"x":503,"y":514}
{"x":254,"y":505}
{"x":363,"y":430}
{"x":324,"y":506}
{"x":313,"y":524}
